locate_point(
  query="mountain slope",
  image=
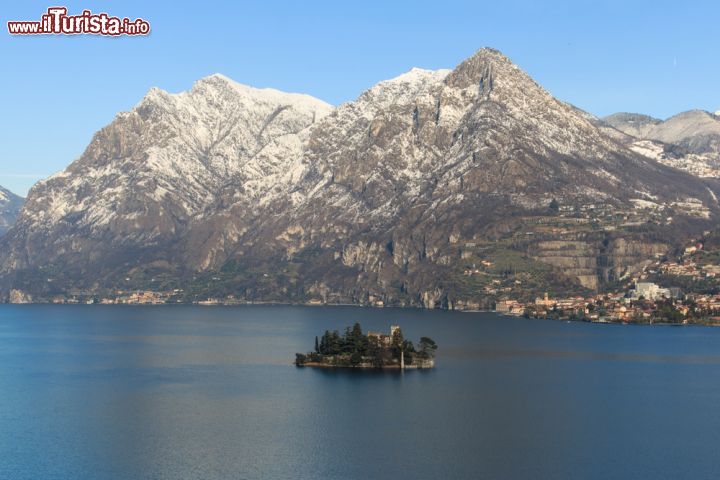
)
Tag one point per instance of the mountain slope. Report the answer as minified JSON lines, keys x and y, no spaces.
{"x":10,"y":205}
{"x":225,"y":190}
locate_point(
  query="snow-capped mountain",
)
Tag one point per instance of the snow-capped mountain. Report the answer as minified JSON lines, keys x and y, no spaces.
{"x":173,"y":153}
{"x":145,"y":176}
{"x":226,"y":189}
{"x":9,"y":209}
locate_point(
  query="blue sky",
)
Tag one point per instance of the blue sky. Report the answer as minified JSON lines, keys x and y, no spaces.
{"x":657,"y":57}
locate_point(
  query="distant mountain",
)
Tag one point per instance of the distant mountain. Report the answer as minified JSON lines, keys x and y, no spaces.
{"x":696,"y":130}
{"x":689,"y":141}
{"x":9,"y":209}
{"x":633,"y":124}
{"x":435,"y":188}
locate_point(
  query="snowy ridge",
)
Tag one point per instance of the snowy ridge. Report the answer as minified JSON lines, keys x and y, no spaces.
{"x":176,"y":152}
{"x":216,"y":84}
{"x":401,"y":89}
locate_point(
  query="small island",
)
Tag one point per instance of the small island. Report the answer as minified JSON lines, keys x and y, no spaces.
{"x":376,"y":350}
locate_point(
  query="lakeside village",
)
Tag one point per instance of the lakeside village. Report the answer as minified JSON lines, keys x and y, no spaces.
{"x":375,"y":350}
{"x":644,"y":301}
{"x":677,"y":290}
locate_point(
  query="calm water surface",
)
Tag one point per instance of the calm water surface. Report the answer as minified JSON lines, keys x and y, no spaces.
{"x":91,"y":392}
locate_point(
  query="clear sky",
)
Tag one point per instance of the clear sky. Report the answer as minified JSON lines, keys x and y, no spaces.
{"x":655,"y":57}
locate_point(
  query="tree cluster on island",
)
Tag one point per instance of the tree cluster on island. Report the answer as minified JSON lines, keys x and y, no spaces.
{"x":354,"y":348}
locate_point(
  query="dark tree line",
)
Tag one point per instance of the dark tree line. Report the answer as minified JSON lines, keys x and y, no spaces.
{"x":353,"y":340}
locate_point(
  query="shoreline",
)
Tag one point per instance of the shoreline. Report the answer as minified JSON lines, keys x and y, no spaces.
{"x":358,"y":305}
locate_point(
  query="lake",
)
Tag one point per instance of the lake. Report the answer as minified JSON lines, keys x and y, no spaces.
{"x":190,"y":392}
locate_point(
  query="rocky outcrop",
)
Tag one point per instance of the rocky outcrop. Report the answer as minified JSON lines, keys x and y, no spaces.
{"x":18,"y":296}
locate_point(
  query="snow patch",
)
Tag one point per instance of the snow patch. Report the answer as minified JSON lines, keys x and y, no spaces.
{"x":648,"y":149}
{"x":712,"y":194}
{"x":641,"y":204}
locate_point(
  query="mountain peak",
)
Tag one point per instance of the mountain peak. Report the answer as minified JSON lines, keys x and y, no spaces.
{"x":483,"y":69}
{"x":218,"y":77}
{"x":217,"y":80}
{"x":694,"y":114}
{"x":488,"y":54}
{"x":155,"y":93}
{"x":404,"y":88}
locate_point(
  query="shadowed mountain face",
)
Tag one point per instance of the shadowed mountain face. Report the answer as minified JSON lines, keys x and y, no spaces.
{"x":10,"y":205}
{"x":230,"y":190}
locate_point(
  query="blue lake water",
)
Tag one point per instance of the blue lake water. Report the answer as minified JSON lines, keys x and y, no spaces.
{"x":181,"y":392}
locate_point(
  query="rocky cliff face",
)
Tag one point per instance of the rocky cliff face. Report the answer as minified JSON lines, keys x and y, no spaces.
{"x":10,"y":205}
{"x":435,"y":188}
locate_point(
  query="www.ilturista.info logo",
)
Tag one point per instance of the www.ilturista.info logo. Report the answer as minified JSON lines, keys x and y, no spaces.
{"x":57,"y":22}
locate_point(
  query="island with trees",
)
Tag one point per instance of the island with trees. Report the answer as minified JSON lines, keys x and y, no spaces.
{"x":354,"y":349}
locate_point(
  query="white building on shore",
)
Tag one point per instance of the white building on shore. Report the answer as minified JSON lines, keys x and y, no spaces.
{"x":650,"y":291}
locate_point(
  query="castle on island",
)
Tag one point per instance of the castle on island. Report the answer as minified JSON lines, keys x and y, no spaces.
{"x":383,"y":339}
{"x":354,"y":349}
